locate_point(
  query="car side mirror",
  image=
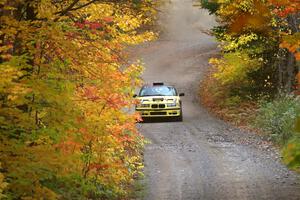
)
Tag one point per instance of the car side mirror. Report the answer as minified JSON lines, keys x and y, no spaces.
{"x":181,"y":94}
{"x":134,"y":95}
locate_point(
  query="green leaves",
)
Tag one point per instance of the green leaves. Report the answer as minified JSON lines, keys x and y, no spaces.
{"x":211,"y":6}
{"x":64,"y":85}
{"x":260,"y":48}
{"x":291,"y":154}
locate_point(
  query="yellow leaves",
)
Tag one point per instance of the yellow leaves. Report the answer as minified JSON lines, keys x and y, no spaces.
{"x":128,"y":22}
{"x":98,"y":11}
{"x":46,"y":9}
{"x":234,"y":67}
{"x":40,"y":192}
{"x":67,"y":86}
{"x":137,"y":39}
{"x":3,"y":184}
{"x":8,"y":73}
{"x":291,"y":154}
{"x":234,"y":43}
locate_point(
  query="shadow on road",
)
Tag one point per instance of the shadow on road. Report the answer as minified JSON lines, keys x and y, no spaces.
{"x":159,"y":120}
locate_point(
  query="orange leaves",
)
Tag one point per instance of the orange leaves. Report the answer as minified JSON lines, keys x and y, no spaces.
{"x":284,"y":12}
{"x":69,"y":146}
{"x":124,"y":133}
{"x":98,"y":167}
{"x":249,"y":21}
{"x":297,"y":56}
{"x":66,"y":77}
{"x":285,"y":7}
{"x":297,"y":91}
{"x":292,"y":47}
{"x":91,"y":93}
{"x":111,"y":99}
{"x":253,"y":16}
{"x":108,"y":19}
{"x":116,"y":101}
{"x":292,"y":43}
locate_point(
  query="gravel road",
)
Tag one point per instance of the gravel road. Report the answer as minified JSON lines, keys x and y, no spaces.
{"x":202,"y":157}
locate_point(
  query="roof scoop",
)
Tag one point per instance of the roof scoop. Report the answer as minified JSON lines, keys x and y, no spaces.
{"x":158,"y":83}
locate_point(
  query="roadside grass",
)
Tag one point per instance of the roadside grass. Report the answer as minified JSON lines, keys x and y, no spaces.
{"x":277,"y":119}
{"x":139,"y":188}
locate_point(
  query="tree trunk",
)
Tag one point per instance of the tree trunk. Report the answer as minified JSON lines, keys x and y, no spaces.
{"x":287,"y":66}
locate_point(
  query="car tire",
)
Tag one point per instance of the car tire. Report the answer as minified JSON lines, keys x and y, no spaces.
{"x":180,"y":117}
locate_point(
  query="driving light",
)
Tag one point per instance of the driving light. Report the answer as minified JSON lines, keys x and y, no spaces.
{"x":171,"y":105}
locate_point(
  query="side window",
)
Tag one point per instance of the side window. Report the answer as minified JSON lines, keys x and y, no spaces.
{"x":175,"y":92}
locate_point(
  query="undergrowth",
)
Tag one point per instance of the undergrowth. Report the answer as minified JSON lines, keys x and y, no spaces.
{"x":277,"y":118}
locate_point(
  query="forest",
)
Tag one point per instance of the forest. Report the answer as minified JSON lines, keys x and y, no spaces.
{"x":257,"y":74}
{"x":67,"y":130}
{"x":66,"y":87}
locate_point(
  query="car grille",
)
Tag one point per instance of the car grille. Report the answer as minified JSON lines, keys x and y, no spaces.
{"x":158,"y":113}
{"x":158,"y":106}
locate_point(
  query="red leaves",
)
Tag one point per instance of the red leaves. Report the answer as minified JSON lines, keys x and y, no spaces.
{"x":110,"y":99}
{"x":89,"y":25}
{"x":93,"y":25}
{"x":79,"y":25}
{"x":284,"y":12}
{"x":290,"y":40}
{"x":116,"y":101}
{"x":108,"y":19}
{"x":285,"y":7}
{"x":98,"y":167}
{"x":91,"y":93}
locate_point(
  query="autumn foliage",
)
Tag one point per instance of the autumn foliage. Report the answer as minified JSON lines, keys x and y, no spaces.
{"x":260,"y":54}
{"x":66,"y":129}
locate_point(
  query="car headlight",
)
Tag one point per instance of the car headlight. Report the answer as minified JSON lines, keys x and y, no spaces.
{"x":171,"y":105}
{"x":142,"y":104}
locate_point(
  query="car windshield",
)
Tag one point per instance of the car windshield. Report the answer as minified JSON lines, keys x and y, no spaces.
{"x":158,"y":91}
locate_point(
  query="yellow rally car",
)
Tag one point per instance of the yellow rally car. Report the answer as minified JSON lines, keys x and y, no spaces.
{"x":159,"y":101}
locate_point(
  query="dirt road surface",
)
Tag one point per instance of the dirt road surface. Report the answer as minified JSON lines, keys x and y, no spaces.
{"x":202,"y":157}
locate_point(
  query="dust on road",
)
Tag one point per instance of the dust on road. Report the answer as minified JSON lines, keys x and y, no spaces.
{"x":201,"y":157}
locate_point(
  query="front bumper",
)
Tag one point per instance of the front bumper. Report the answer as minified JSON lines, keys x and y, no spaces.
{"x":174,"y":112}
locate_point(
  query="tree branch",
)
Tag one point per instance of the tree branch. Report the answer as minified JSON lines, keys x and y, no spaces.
{"x":65,"y":11}
{"x":84,"y":5}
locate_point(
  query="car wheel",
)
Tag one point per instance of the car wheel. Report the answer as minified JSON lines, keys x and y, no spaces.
{"x":146,"y":119}
{"x":180,"y":117}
